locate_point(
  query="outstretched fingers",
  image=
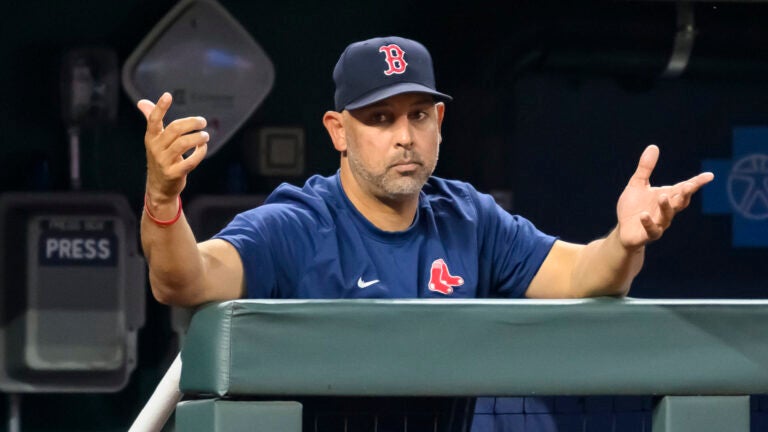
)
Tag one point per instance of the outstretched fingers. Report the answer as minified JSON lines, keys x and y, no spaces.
{"x":177,"y":138}
{"x":683,"y":191}
{"x":666,"y":211}
{"x":652,"y":229}
{"x":156,"y":115}
{"x":188,"y":142}
{"x":645,"y":166}
{"x":145,"y":106}
{"x":194,"y":159}
{"x":183,"y":127}
{"x":653,"y":207}
{"x":700,"y":180}
{"x":166,"y":145}
{"x":671,"y":201}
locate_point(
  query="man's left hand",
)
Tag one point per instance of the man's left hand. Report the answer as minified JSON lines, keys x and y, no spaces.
{"x":645,"y":212}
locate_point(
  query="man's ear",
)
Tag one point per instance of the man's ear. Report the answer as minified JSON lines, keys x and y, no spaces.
{"x":334,"y":124}
{"x":440,"y":107}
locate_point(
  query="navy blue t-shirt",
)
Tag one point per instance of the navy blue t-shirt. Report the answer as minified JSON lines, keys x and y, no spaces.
{"x":311,"y":243}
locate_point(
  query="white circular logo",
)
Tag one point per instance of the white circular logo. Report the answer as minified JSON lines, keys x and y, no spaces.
{"x":748,"y":186}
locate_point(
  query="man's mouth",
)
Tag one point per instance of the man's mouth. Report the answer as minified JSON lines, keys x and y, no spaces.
{"x":407,"y":162}
{"x":405,"y":165}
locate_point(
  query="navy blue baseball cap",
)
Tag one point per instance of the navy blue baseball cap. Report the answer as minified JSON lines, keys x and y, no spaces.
{"x":378,"y":68}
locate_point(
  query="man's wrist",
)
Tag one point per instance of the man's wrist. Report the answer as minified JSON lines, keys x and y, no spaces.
{"x":628,"y":249}
{"x":164,"y":213}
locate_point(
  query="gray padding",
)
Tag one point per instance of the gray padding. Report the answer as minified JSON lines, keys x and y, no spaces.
{"x":702,"y":414}
{"x":231,"y":416}
{"x":477,"y":347}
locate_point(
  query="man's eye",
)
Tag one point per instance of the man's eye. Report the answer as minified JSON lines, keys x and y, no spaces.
{"x":419,"y":115}
{"x":379,"y":118}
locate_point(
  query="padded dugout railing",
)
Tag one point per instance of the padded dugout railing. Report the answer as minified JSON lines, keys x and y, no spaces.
{"x":705,"y":356}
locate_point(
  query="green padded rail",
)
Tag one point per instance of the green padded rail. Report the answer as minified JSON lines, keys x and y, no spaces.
{"x":702,"y":414}
{"x":216,"y":415}
{"x":477,"y":347}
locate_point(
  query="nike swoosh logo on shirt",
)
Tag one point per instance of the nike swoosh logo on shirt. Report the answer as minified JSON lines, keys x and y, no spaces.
{"x":362,"y":284}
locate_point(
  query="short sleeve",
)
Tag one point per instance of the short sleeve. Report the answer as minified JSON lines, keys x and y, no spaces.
{"x":512,"y":246}
{"x":249,"y":234}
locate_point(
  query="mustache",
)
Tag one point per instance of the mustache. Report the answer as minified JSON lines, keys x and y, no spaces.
{"x":408,"y":156}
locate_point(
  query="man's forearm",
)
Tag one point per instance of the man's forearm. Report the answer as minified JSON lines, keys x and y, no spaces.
{"x":606,"y":267}
{"x":175,"y":262}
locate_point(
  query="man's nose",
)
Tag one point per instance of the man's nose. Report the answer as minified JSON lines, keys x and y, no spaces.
{"x":403,"y":133}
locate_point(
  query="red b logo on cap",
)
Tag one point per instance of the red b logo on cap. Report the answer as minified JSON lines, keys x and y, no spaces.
{"x":394,"y":57}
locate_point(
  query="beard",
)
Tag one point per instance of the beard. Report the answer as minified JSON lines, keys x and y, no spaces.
{"x":391,"y":183}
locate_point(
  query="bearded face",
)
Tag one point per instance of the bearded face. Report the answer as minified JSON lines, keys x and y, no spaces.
{"x":400,"y":175}
{"x":392,"y":147}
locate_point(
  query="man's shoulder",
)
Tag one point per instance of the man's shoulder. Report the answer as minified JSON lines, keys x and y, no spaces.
{"x":311,"y":202}
{"x":455,"y":197}
{"x":314,"y":187}
{"x":445,"y":191}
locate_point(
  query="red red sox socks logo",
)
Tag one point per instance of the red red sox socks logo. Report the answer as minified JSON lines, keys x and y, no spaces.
{"x":441,"y":280}
{"x":394,"y":57}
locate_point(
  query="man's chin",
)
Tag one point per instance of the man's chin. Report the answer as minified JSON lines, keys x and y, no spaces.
{"x":403,"y":187}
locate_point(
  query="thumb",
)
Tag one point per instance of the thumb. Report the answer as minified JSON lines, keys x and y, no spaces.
{"x":146,"y":107}
{"x":645,"y":166}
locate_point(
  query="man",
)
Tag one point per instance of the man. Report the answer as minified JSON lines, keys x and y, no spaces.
{"x":382,"y":226}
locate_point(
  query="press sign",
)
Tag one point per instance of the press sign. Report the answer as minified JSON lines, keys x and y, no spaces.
{"x":75,"y":242}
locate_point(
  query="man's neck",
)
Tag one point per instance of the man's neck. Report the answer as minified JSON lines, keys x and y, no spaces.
{"x":385,"y":214}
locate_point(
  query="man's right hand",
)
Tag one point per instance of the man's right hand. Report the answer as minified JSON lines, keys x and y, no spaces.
{"x":167,"y":168}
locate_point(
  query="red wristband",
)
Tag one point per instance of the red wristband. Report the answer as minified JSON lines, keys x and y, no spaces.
{"x":163,"y":223}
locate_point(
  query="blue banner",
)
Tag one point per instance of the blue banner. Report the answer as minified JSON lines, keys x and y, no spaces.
{"x":740,"y":187}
